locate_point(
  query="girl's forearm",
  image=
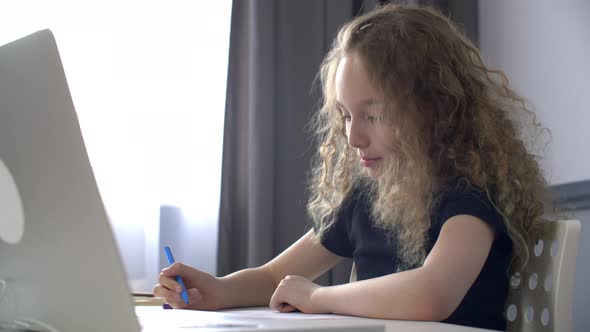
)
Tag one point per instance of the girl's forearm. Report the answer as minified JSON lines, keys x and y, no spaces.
{"x":409,"y":295}
{"x":247,"y":288}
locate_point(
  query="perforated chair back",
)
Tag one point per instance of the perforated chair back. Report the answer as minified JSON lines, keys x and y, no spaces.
{"x":540,"y":295}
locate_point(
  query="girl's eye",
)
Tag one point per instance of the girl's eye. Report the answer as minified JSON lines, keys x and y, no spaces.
{"x":372,"y":118}
{"x":344,"y":116}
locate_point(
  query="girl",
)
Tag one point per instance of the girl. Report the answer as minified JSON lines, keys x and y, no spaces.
{"x":421,"y":178}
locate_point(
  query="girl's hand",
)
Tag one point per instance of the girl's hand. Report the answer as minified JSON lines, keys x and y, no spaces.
{"x":296,"y":293}
{"x":204,"y":291}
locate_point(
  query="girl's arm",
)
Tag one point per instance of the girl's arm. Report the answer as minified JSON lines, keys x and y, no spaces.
{"x":431,"y":292}
{"x":254,"y":287}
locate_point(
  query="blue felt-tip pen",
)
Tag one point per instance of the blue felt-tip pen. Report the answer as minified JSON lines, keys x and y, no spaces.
{"x":184,"y":294}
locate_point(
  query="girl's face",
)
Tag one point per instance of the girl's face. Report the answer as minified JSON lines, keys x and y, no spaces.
{"x":361,"y":106}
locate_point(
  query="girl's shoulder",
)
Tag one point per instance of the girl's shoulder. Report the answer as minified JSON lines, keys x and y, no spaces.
{"x":463,"y":197}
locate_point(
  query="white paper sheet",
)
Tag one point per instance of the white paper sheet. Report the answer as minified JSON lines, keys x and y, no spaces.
{"x":243,"y":319}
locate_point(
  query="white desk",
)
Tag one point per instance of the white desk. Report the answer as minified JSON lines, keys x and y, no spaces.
{"x":156,"y":319}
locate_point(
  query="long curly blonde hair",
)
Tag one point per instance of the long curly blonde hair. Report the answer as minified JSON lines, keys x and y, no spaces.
{"x":454,"y":119}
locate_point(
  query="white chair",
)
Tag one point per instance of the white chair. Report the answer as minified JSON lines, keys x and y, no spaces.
{"x":540,"y":295}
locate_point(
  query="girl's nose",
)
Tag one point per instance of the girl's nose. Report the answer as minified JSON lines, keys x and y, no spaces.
{"x":357,"y":136}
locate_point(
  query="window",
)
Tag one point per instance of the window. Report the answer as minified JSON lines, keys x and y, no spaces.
{"x":148,"y":79}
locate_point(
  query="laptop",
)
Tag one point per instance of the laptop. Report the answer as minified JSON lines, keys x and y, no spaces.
{"x":64,"y":269}
{"x":59,"y":264}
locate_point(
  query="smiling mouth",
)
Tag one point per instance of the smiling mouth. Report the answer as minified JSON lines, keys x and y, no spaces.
{"x":370,"y":162}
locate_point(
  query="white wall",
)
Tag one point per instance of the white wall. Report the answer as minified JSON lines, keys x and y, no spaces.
{"x":544,"y":48}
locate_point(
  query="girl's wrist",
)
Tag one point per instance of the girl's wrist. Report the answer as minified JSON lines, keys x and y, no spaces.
{"x":319,"y":300}
{"x":224,"y":302}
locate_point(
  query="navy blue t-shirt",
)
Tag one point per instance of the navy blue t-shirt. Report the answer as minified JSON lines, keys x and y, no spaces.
{"x":355,"y":236}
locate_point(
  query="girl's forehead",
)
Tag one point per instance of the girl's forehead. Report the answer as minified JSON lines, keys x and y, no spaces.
{"x":351,"y":65}
{"x":352,"y":83}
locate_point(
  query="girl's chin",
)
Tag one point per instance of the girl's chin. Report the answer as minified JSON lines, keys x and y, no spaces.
{"x":373,"y":173}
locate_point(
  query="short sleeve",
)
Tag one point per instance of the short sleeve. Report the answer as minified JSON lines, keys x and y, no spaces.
{"x":337,"y":238}
{"x":473,"y":202}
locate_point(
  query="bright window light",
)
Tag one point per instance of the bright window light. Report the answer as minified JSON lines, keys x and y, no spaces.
{"x":148,"y":80}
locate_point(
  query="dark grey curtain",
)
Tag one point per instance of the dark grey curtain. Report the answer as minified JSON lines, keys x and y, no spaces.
{"x":275,"y":51}
{"x":276,"y":47}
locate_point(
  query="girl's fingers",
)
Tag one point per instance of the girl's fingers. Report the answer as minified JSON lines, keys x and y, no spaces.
{"x":285,"y":307}
{"x":166,"y":294}
{"x":170,"y":283}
